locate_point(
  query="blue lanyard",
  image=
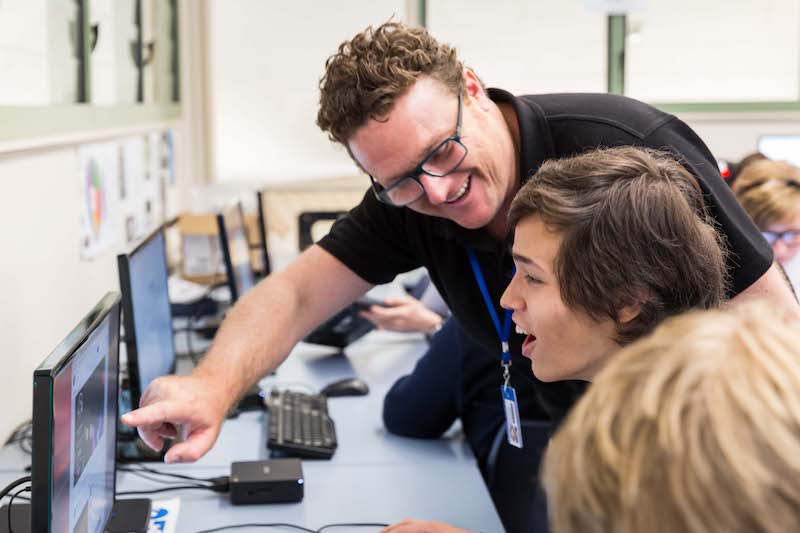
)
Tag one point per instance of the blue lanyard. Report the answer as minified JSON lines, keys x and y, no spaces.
{"x":505,"y":331}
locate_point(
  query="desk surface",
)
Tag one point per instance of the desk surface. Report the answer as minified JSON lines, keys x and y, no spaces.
{"x":373,"y":477}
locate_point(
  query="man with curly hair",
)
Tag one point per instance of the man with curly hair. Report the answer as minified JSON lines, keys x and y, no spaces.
{"x":445,"y":157}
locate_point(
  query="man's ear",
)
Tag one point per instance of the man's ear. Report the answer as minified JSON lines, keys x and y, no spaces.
{"x":473,"y":89}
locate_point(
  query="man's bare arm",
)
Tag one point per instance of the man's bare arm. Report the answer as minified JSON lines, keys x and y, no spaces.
{"x":255,"y":338}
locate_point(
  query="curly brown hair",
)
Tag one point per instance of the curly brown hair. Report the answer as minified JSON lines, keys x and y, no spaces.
{"x":635,"y":231}
{"x":364,"y":78}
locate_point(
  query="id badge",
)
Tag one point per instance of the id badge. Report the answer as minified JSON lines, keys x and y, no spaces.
{"x":513,"y":429}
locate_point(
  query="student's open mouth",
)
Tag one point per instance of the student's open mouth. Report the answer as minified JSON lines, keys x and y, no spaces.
{"x":528,"y":343}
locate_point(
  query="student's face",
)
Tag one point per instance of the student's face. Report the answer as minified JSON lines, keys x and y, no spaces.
{"x":485,"y":181}
{"x":561,"y":343}
{"x":787,"y":246}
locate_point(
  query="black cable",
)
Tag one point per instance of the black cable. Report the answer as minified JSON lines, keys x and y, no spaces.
{"x":365,"y":524}
{"x":239,"y":526}
{"x":14,"y":484}
{"x":167,"y":489}
{"x":172,"y":474}
{"x":154,"y":479}
{"x":11,"y":502}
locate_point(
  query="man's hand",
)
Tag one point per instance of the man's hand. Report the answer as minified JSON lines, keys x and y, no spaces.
{"x":188,"y":404}
{"x":422,"y":526}
{"x":403,"y":314}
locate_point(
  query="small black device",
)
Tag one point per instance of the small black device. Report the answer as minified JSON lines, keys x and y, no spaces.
{"x":342,"y":329}
{"x":299,"y":425}
{"x":345,"y":387}
{"x":272,"y":481}
{"x":235,"y":250}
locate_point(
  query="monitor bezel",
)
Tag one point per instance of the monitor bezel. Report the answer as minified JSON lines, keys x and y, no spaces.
{"x":131,"y":345}
{"x":262,"y":232}
{"x":226,"y":251}
{"x":43,"y":380}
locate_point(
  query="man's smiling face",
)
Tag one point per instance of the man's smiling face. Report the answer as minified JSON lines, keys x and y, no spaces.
{"x":392,"y":146}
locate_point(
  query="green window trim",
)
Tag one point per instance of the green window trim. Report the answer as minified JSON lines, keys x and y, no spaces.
{"x":31,"y":125}
{"x":616,"y":83}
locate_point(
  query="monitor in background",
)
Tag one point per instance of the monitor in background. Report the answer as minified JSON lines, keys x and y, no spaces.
{"x":147,"y":319}
{"x":73,"y":469}
{"x":262,"y":232}
{"x":781,"y":147}
{"x":235,"y":250}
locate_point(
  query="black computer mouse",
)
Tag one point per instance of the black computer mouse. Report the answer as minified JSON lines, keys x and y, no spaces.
{"x":345,"y":387}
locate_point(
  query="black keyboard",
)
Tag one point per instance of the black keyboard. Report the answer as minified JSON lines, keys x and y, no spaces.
{"x":299,"y":425}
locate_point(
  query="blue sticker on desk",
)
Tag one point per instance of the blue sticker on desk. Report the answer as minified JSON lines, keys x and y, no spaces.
{"x":513,"y":429}
{"x":164,"y":516}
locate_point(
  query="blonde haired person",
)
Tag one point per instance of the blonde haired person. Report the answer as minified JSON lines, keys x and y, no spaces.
{"x":770,"y":193}
{"x":695,"y":428}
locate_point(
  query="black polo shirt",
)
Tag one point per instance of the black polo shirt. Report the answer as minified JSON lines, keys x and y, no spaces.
{"x":377,"y":241}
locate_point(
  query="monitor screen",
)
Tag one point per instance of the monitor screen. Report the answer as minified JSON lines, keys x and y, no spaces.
{"x":781,"y":147}
{"x":147,"y":315}
{"x":75,"y":394}
{"x":235,"y":250}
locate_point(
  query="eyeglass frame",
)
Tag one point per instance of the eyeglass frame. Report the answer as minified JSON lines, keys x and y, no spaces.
{"x":780,"y":236}
{"x":414,"y":174}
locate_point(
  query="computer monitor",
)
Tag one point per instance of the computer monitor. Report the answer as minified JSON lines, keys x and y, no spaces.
{"x":146,"y":315}
{"x":235,"y":250}
{"x":781,"y":147}
{"x":73,"y":469}
{"x":262,"y":233}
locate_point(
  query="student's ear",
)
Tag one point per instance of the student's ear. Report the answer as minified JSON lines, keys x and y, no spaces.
{"x":474,"y":91}
{"x":628,"y":313}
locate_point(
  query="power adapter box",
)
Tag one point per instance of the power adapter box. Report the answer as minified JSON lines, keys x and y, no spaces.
{"x":270,"y":481}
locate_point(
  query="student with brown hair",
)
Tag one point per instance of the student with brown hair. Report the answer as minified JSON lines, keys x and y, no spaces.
{"x":607,"y":244}
{"x":695,"y":428}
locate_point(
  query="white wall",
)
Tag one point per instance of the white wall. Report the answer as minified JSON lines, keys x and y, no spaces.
{"x":734,"y":136}
{"x":266,"y":59}
{"x":45,"y":286}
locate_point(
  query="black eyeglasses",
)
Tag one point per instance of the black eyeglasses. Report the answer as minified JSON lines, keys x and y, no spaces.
{"x":789,"y":237}
{"x":443,"y":160}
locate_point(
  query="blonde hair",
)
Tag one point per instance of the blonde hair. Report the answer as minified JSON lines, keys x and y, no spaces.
{"x":695,"y":428}
{"x":769,"y":191}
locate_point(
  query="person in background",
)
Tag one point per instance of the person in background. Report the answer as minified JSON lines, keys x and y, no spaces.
{"x":607,"y":244}
{"x":695,"y":428}
{"x":449,"y":382}
{"x":770,"y":193}
{"x":738,"y":167}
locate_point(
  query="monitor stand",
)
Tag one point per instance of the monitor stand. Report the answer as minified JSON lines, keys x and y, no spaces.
{"x":126,"y":515}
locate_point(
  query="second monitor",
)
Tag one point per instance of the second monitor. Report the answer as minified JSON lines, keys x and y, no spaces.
{"x":235,"y":250}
